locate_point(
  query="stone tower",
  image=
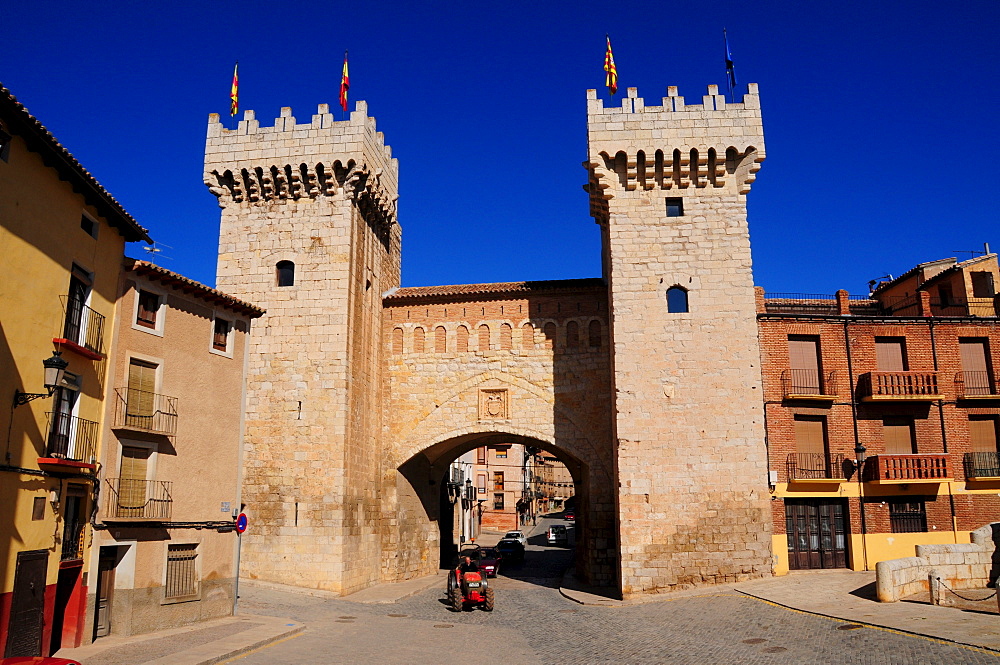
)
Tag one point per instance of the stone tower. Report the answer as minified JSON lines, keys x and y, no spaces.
{"x":309,"y":233}
{"x":668,"y":187}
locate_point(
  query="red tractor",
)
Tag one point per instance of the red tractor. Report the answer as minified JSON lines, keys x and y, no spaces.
{"x":469,"y":589}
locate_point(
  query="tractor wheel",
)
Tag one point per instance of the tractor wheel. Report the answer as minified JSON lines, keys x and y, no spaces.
{"x":488,"y":603}
{"x":455,"y":599}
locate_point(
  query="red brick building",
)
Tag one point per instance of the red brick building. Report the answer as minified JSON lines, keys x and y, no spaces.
{"x":902,"y":381}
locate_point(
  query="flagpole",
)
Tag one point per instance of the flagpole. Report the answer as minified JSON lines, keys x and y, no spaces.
{"x":730,"y":72}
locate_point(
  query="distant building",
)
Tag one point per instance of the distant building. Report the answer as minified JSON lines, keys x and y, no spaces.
{"x":903,"y":381}
{"x":499,"y":478}
{"x":63,"y":238}
{"x":171,"y":459}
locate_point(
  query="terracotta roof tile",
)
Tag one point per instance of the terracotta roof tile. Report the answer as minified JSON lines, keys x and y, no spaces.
{"x":189,"y":285}
{"x":515,"y":289}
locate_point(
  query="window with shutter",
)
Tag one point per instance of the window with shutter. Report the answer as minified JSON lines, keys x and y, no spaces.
{"x":132,"y":481}
{"x":140,"y":394}
{"x":975,"y":369}
{"x":890,"y":354}
{"x":803,"y":358}
{"x":898,"y":433}
{"x":220,"y":338}
{"x":983,"y":434}
{"x":149,"y":307}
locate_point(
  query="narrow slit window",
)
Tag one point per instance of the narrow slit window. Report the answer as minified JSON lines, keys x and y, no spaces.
{"x":286,"y":273}
{"x":677,"y":300}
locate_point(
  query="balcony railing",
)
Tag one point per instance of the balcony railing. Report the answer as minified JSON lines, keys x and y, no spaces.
{"x":972,"y":385}
{"x":899,"y":386}
{"x":815,"y":466}
{"x":982,"y":465}
{"x":800,"y":303}
{"x":906,"y":468}
{"x":146,"y":411}
{"x":73,"y":540}
{"x":83,"y":326}
{"x":964,"y":307}
{"x":808,"y":383}
{"x":71,"y":438}
{"x":138,"y":500}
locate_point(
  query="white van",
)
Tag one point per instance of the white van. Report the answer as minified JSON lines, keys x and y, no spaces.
{"x":557,"y":535}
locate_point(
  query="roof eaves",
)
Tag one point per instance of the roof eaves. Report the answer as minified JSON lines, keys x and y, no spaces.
{"x":191,"y":286}
{"x":40,"y":140}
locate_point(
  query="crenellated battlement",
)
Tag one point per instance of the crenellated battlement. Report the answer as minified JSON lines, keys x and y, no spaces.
{"x":293,"y":161}
{"x":684,"y":148}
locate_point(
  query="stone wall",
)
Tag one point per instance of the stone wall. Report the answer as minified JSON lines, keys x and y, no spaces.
{"x":691,"y":459}
{"x":321,"y":195}
{"x":498,"y":363}
{"x":960,"y":566}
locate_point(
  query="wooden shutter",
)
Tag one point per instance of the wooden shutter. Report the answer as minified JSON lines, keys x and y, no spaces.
{"x":889,"y":355}
{"x":132,"y":482}
{"x":983,"y":435}
{"x":973,"y":353}
{"x":141,"y":388}
{"x":898,"y":434}
{"x":809,"y":436}
{"x":803,"y":359}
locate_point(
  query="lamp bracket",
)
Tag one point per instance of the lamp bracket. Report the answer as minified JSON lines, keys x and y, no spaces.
{"x":23,"y":398}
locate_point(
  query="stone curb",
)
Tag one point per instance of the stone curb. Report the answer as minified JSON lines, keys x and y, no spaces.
{"x":208,"y":654}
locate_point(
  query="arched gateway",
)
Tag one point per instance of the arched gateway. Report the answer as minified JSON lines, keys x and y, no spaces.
{"x":360,"y":393}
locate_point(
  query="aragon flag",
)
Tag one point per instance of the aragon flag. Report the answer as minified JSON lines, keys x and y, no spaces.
{"x":611,"y":80}
{"x":345,"y":85}
{"x":234,"y":92}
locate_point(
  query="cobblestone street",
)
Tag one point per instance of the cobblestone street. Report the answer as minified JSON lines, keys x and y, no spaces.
{"x":533,"y":623}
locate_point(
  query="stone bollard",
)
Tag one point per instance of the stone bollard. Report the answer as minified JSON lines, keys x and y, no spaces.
{"x":934,"y":586}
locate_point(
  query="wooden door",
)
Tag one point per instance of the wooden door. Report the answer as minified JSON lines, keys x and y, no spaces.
{"x":132,"y":482}
{"x":815,"y":532}
{"x":889,"y":354}
{"x":27,"y":610}
{"x":105,"y":588}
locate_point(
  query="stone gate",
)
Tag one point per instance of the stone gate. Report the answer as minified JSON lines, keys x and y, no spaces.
{"x":645,"y":381}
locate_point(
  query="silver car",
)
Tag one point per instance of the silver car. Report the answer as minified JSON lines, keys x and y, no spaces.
{"x":518,"y":536}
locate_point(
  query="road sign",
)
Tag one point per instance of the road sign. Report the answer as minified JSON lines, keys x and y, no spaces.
{"x":241,"y":523}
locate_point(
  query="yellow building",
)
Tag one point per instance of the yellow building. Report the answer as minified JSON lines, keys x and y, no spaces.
{"x":63,"y":238}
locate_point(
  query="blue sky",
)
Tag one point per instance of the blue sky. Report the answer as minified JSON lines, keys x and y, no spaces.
{"x":880,"y":118}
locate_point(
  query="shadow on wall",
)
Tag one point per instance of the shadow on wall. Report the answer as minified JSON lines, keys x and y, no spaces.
{"x":995,"y":568}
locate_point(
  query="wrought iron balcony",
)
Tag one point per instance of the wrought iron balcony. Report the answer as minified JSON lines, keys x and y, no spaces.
{"x":70,"y":438}
{"x":813,"y":467}
{"x":83,"y":328}
{"x":145,"y":411}
{"x":899,"y":386}
{"x":808,"y":384}
{"x":980,"y":466}
{"x":975,"y":385}
{"x":74,"y":535}
{"x":136,"y":500}
{"x":907,"y":468}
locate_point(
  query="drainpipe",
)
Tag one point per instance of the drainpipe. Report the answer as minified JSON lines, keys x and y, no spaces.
{"x":859,"y":449}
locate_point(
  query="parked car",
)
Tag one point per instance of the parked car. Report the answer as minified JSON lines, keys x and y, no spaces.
{"x":489,"y":561}
{"x":557,"y":535}
{"x":518,"y":536}
{"x":569,"y":516}
{"x":37,"y":660}
{"x":511,"y":549}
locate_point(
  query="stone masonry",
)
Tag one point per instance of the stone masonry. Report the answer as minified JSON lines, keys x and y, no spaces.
{"x":321,"y":195}
{"x":361,"y":393}
{"x":689,"y":428}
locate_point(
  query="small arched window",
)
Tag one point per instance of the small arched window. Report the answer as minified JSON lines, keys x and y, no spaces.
{"x":550,"y":335}
{"x":506,"y":337}
{"x":527,"y":336}
{"x":418,"y":340}
{"x":286,"y":273}
{"x":440,"y":340}
{"x":594,"y":333}
{"x":397,"y":340}
{"x":484,"y":337}
{"x":677,"y":300}
{"x":572,"y":335}
{"x":462,"y":339}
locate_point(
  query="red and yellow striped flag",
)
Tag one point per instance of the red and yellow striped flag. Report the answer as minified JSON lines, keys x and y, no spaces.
{"x":234,"y":92}
{"x":345,"y":85}
{"x":611,"y":80}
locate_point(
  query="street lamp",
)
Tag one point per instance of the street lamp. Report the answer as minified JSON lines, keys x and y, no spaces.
{"x":55,"y":368}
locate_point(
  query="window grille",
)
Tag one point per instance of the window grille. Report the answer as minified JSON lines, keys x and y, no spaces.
{"x":182,"y":574}
{"x":908,"y":517}
{"x":498,"y":502}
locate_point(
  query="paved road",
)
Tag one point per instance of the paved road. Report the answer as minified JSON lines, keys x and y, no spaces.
{"x":532,"y":623}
